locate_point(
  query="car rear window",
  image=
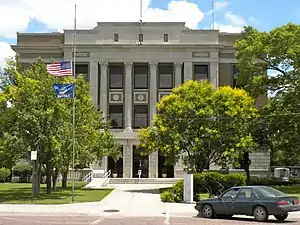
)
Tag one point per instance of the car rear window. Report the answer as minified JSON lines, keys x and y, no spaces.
{"x":271,"y":192}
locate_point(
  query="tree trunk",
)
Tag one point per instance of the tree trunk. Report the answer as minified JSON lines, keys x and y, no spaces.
{"x":39,"y":172}
{"x":64,"y":179}
{"x":54,"y":179}
{"x":245,"y":164}
{"x":48,"y":178}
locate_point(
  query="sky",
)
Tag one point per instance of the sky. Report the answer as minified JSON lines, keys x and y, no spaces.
{"x":56,"y":15}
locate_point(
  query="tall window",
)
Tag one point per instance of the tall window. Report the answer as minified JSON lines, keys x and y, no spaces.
{"x":141,"y":37}
{"x":116,"y":73}
{"x":141,"y":76}
{"x":166,"y":37}
{"x":165,"y":76}
{"x":200,"y":72}
{"x":140,"y":116}
{"x":116,"y":116}
{"x":82,"y":70}
{"x":116,"y":37}
{"x":234,"y":75}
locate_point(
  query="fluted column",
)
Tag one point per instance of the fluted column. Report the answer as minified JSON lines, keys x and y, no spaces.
{"x":103,"y":88}
{"x":128,"y":96}
{"x":153,"y":158}
{"x":178,"y":69}
{"x":214,"y":69}
{"x":188,"y":71}
{"x":94,"y":81}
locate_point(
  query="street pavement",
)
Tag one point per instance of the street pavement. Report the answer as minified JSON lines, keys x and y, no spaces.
{"x":126,"y":205}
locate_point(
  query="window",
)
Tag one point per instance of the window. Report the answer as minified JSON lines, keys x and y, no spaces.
{"x":141,"y":37}
{"x":141,"y":77}
{"x":140,"y":116}
{"x":165,"y":77}
{"x":271,"y":192}
{"x":82,"y":70}
{"x":116,"y":74}
{"x":116,"y":37}
{"x":200,"y":72}
{"x":245,"y":193}
{"x":234,"y":75}
{"x":230,"y":194}
{"x":166,"y":37}
{"x":116,"y":116}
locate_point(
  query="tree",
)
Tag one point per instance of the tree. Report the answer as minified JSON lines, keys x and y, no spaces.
{"x":278,"y":52}
{"x":201,"y":125}
{"x":39,"y":121}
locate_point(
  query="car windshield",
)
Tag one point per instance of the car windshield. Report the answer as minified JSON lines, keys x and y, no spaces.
{"x":271,"y":192}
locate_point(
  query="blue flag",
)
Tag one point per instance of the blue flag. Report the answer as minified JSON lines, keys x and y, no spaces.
{"x":64,"y":90}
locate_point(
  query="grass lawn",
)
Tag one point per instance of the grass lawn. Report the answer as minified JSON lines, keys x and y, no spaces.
{"x":17,"y":193}
{"x":291,"y":190}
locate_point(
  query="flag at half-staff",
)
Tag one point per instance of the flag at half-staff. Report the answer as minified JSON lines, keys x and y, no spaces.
{"x":60,"y":69}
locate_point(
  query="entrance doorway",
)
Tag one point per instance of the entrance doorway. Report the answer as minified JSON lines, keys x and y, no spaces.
{"x":116,"y":167}
{"x":140,"y":162}
{"x":168,"y":170}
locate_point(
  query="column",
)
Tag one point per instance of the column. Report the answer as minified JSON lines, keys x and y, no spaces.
{"x":128,"y":96}
{"x":127,"y":160}
{"x":103,"y":88}
{"x":214,"y":69}
{"x":178,"y":69}
{"x":188,"y":71}
{"x":153,"y":158}
{"x":94,"y":81}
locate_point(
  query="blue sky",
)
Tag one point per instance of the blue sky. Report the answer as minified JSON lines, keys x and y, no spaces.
{"x":230,"y":15}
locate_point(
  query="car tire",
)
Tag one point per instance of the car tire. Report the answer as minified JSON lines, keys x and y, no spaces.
{"x":207,"y":211}
{"x":260,"y":214}
{"x":281,"y":217}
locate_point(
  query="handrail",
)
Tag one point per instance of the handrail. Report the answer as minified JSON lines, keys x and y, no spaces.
{"x":87,"y":178}
{"x":106,"y":177}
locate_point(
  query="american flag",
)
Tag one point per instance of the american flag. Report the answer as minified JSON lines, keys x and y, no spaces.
{"x":60,"y":68}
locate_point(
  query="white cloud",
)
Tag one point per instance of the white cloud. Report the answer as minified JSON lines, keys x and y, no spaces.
{"x":228,"y":28}
{"x":5,"y":51}
{"x":235,"y":19}
{"x":58,"y":14}
{"x":219,"y":5}
{"x":235,"y":23}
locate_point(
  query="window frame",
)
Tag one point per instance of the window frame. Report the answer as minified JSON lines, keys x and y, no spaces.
{"x":122,"y":117}
{"x":136,"y":113}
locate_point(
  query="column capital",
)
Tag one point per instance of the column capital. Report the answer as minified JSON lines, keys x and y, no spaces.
{"x":178,"y":65}
{"x":153,"y":65}
{"x":103,"y":64}
{"x":128,"y":65}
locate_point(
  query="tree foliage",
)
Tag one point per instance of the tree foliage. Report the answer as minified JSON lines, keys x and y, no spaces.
{"x":39,"y":121}
{"x":201,"y":125}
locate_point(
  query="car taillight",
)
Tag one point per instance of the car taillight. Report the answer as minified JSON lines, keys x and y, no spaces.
{"x":296,"y":202}
{"x":282,"y":203}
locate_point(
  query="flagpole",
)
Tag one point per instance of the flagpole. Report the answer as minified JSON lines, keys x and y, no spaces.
{"x":73,"y":127}
{"x":213,"y":13}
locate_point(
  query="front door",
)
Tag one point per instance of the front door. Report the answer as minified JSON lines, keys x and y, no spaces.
{"x":140,"y":162}
{"x":244,"y":201}
{"x":226,"y":202}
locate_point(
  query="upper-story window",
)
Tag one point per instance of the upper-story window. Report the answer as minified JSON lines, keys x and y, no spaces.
{"x":165,"y":73}
{"x":141,"y":37}
{"x":235,"y":72}
{"x":116,"y":37}
{"x":116,"y":116}
{"x":141,"y":76}
{"x":116,"y":73}
{"x":200,"y":72}
{"x":140,"y":116}
{"x":166,"y":37}
{"x":83,"y":70}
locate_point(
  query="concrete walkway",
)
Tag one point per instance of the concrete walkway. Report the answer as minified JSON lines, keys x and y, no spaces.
{"x":134,"y":200}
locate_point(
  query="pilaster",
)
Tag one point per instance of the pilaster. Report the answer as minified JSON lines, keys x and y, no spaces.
{"x":127,"y":160}
{"x":178,"y":69}
{"x":128,"y":96}
{"x":104,"y":88}
{"x":94,"y":81}
{"x":214,"y":69}
{"x":188,"y":71}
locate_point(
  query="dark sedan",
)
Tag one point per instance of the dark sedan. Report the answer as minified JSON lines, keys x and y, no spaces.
{"x":257,"y":201}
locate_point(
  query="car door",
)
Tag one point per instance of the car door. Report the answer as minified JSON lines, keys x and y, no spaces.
{"x":225,"y":203}
{"x":243,"y":201}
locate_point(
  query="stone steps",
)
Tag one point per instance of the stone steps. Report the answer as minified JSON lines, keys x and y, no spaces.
{"x":143,"y":180}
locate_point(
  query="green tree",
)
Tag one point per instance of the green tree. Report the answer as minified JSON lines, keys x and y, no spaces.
{"x":278,"y":52}
{"x":39,"y":121}
{"x":201,"y":125}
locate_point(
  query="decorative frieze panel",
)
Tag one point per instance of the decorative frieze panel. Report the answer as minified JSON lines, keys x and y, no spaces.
{"x":141,"y":97}
{"x":162,"y":94}
{"x":201,"y":54}
{"x":227,"y":55}
{"x":115,"y":97}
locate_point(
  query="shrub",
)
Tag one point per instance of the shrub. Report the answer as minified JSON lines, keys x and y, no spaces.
{"x":273,"y":181}
{"x":24,"y":171}
{"x":167,"y":196}
{"x":178,"y":191}
{"x":4,"y":174}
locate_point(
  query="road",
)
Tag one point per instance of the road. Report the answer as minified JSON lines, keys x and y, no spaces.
{"x":93,"y":220}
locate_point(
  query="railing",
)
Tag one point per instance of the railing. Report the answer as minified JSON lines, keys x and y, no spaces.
{"x":88,"y":178}
{"x":106,"y":178}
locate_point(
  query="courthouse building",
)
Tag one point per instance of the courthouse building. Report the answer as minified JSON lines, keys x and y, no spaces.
{"x":130,"y":67}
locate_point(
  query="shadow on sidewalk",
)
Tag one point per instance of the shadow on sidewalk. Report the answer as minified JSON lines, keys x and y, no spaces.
{"x":145,"y":191}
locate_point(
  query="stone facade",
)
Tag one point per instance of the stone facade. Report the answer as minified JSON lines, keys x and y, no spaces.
{"x":103,"y":50}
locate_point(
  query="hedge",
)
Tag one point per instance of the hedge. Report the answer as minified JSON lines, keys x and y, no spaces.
{"x":4,"y":174}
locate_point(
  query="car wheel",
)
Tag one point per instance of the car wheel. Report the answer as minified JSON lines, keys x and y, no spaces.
{"x":281,"y":217}
{"x":260,"y":214}
{"x":207,"y":211}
